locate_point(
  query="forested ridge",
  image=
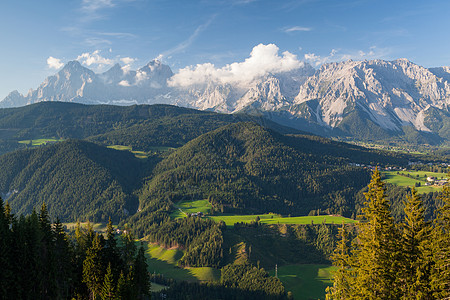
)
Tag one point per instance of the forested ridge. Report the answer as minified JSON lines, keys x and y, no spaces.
{"x":77,"y":179}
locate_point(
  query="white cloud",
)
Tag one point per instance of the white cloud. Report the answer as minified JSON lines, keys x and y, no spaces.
{"x":335,"y":55}
{"x":94,"y":5}
{"x":140,"y":76}
{"x":94,"y":58}
{"x":127,"y":60}
{"x":124,"y":83}
{"x":54,"y":63}
{"x":264,"y":59}
{"x":297,"y":28}
{"x":185,"y":44}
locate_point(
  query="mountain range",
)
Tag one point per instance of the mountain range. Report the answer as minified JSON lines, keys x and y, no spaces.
{"x":365,"y":100}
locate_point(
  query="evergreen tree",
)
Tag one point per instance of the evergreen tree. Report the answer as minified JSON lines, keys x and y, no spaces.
{"x":111,"y":251}
{"x":141,"y":280}
{"x":440,"y":280}
{"x":48,"y":285}
{"x":5,"y":251}
{"x":416,"y":251}
{"x":341,"y":289}
{"x":93,"y":270}
{"x":377,"y":249}
{"x":108,"y":285}
{"x":63,"y":255}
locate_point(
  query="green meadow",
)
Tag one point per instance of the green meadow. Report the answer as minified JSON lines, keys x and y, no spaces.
{"x":305,"y":281}
{"x":39,"y":142}
{"x":417,"y":176}
{"x":164,"y":261}
{"x":190,"y":207}
{"x":277,"y":219}
{"x":140,"y":154}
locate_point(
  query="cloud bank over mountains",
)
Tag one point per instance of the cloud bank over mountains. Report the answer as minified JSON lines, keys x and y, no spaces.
{"x":263,"y":60}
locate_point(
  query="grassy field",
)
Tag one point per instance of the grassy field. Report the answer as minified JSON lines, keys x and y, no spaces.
{"x":157,"y":287}
{"x":164,"y":261}
{"x":305,"y":281}
{"x":38,"y":142}
{"x":277,"y":219}
{"x":189,"y":207}
{"x":99,"y":227}
{"x":418,"y":176}
{"x":204,"y":206}
{"x":140,"y":154}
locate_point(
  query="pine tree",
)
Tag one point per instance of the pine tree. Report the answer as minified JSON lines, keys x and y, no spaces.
{"x":48,"y":272}
{"x":112,"y":253}
{"x":141,"y":280}
{"x":377,"y":249}
{"x":93,"y":273}
{"x":341,"y":289}
{"x":415,"y":263}
{"x":63,"y":255}
{"x":122,"y":287}
{"x":440,"y":278}
{"x":5,"y":251}
{"x":108,"y":285}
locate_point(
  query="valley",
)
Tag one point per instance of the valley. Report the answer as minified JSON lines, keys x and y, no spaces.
{"x":206,"y":195}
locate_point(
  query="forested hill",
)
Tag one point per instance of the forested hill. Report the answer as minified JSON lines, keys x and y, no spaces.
{"x":77,"y":180}
{"x":245,"y":168}
{"x":139,"y":126}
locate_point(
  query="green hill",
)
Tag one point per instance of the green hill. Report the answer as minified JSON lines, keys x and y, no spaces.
{"x":244,"y":168}
{"x":77,"y":180}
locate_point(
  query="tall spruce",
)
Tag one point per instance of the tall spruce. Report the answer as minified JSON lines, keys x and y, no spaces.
{"x":141,"y":280}
{"x":343,"y":276}
{"x":415,"y":262}
{"x":440,"y":279}
{"x":108,"y":285}
{"x":93,"y":269}
{"x":377,"y":248}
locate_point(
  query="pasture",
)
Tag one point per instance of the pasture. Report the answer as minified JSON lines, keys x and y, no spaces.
{"x":416,"y":177}
{"x":278,"y":219}
{"x":164,"y":261}
{"x":190,"y":207}
{"x":305,"y":281}
{"x":39,"y":142}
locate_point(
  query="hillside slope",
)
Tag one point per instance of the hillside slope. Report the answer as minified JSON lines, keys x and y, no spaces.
{"x":77,"y":180}
{"x":245,"y":168}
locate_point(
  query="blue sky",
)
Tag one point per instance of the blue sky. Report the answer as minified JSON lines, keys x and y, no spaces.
{"x":38,"y":37}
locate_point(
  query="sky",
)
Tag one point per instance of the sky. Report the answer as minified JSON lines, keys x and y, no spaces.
{"x":38,"y":37}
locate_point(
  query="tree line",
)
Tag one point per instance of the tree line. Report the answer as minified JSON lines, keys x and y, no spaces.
{"x":39,"y":260}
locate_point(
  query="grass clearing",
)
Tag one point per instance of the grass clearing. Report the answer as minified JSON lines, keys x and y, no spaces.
{"x":164,"y":261}
{"x":417,"y":177}
{"x":141,"y":154}
{"x":190,"y":207}
{"x":99,"y":227}
{"x":277,"y":219}
{"x":138,"y":154}
{"x":155,"y":287}
{"x":305,"y":281}
{"x":39,"y":142}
